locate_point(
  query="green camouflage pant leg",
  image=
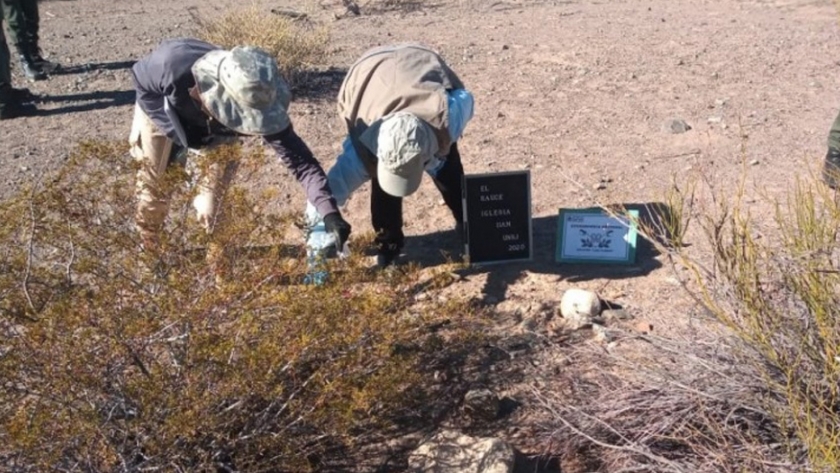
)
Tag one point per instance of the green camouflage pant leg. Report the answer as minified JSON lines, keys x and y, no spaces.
{"x":21,"y":25}
{"x":5,"y":57}
{"x":834,"y":134}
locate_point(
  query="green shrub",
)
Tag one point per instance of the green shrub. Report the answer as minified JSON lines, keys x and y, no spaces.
{"x":778,"y":291}
{"x":116,"y":360}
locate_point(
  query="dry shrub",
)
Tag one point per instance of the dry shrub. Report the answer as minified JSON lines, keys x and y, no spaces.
{"x":781,"y":297}
{"x":297,"y":44}
{"x":771,"y":398}
{"x":686,"y":406}
{"x":757,"y":386}
{"x":113,"y":360}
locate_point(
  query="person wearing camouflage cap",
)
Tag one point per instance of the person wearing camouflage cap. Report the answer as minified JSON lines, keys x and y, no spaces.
{"x":404,"y":110}
{"x":192,"y":95}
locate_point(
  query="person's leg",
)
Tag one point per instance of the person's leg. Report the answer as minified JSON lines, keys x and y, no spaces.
{"x":449,"y":181}
{"x":11,"y":99}
{"x":13,"y":14}
{"x":13,"y":11}
{"x":831,"y":166}
{"x":5,"y":59}
{"x":386,"y":216}
{"x":8,"y":105}
{"x":29,"y":8}
{"x":33,"y":22}
{"x":152,"y":149}
{"x":347,"y":174}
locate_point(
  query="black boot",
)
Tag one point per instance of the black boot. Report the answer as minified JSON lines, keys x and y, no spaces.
{"x":45,"y":66}
{"x":30,"y":69}
{"x":831,"y":168}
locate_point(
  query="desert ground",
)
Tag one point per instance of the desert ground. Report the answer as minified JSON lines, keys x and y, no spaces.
{"x":575,"y":91}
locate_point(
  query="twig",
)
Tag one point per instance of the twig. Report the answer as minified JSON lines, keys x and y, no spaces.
{"x":693,"y":152}
{"x":294,"y":15}
{"x":626,"y":448}
{"x":30,"y":247}
{"x":70,"y":263}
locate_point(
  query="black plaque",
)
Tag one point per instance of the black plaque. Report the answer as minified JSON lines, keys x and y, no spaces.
{"x":497,"y":217}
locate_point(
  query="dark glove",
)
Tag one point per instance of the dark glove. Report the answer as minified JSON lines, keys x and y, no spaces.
{"x":195,"y":136}
{"x":337,"y":226}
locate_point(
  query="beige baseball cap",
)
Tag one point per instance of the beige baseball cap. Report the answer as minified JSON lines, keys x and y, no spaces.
{"x":243,"y":90}
{"x":403,"y":144}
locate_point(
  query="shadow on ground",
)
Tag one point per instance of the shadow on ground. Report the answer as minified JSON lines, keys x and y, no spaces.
{"x":444,"y":247}
{"x":93,"y":66}
{"x":319,"y":85}
{"x":85,"y":102}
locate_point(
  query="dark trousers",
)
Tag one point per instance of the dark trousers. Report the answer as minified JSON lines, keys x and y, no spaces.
{"x":386,"y":210}
{"x":5,"y":71}
{"x":23,"y":19}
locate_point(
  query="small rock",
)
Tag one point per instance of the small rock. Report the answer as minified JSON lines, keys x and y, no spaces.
{"x":505,"y":47}
{"x":481,"y":404}
{"x":600,"y":332}
{"x":680,"y":62}
{"x":529,"y":324}
{"x":754,"y":162}
{"x":643,"y":327}
{"x":578,"y":307}
{"x":721,"y":102}
{"x":18,"y":330}
{"x":451,"y":452}
{"x":599,"y":186}
{"x":675,"y":126}
{"x":714,"y":119}
{"x":610,"y":315}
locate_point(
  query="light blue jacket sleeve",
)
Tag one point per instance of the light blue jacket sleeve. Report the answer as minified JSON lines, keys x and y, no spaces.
{"x":461,"y":104}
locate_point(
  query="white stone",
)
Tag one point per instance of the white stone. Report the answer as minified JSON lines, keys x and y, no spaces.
{"x":579,"y":306}
{"x":451,"y":452}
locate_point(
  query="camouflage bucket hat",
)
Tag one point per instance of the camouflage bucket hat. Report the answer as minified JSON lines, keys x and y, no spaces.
{"x":243,"y":90}
{"x":403,"y":144}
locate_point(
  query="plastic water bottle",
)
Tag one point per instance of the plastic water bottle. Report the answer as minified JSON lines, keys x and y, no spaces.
{"x":316,"y":268}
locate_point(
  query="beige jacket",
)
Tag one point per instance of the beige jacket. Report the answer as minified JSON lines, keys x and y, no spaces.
{"x":389,"y":79}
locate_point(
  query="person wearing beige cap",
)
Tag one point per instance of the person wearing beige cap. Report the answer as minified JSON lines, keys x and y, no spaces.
{"x":404,"y":110}
{"x":192,"y":95}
